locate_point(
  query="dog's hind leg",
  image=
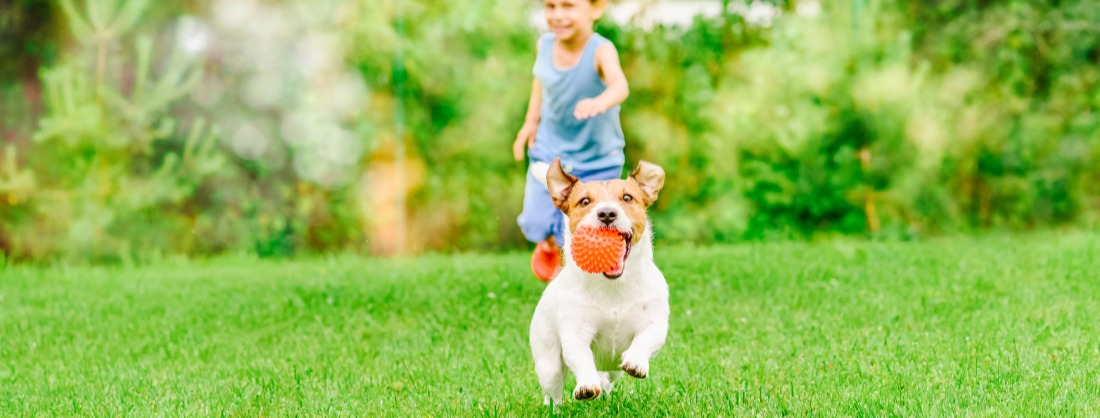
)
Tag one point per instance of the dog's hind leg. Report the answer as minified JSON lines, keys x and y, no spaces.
{"x":546,"y":351}
{"x":551,"y":373}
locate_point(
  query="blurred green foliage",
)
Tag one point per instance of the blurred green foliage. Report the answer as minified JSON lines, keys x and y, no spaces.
{"x":956,"y":137}
{"x":111,"y":176}
{"x":880,"y":118}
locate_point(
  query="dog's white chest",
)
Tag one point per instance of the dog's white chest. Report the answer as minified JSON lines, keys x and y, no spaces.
{"x":614,"y":332}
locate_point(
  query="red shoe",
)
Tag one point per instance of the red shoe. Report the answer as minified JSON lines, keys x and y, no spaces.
{"x":546,"y":261}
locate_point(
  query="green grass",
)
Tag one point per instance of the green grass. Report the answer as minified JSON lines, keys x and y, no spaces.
{"x":992,"y":326}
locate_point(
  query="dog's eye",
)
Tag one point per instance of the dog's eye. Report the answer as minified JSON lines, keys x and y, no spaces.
{"x":628,"y":198}
{"x":585,"y":202}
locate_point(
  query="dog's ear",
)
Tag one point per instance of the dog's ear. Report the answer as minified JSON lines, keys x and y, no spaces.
{"x":650,"y":177}
{"x":559,"y":184}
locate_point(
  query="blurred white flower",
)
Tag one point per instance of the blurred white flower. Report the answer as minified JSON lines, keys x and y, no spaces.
{"x":341,"y":95}
{"x":264,"y":90}
{"x":250,"y":141}
{"x":808,"y":8}
{"x":284,"y":60}
{"x":759,"y":13}
{"x":235,"y":13}
{"x":317,"y":53}
{"x":209,"y":92}
{"x":193,"y":35}
{"x":295,"y":128}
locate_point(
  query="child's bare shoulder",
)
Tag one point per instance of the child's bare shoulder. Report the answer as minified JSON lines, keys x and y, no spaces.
{"x":606,"y":48}
{"x":607,"y":55}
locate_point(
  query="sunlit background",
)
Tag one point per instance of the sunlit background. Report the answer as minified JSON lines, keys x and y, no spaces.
{"x":137,"y":130}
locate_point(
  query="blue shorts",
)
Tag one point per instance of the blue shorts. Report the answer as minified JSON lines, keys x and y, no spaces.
{"x":540,"y":218}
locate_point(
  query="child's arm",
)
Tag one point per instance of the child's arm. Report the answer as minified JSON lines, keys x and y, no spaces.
{"x":607,"y":65}
{"x":526,"y":134}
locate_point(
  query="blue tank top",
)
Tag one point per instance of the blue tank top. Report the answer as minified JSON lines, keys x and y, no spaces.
{"x":590,"y":144}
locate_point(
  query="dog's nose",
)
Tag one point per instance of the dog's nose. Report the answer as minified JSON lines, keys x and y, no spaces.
{"x":607,"y":216}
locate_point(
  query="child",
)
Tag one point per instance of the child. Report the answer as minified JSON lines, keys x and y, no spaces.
{"x":573,"y":114}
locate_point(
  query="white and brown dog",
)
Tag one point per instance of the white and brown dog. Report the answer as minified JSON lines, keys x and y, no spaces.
{"x":601,"y":325}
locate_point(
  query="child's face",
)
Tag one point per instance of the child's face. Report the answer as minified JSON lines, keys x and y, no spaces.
{"x":570,"y":18}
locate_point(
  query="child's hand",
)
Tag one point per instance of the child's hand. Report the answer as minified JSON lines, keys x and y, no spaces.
{"x":526,"y":137}
{"x":588,"y":108}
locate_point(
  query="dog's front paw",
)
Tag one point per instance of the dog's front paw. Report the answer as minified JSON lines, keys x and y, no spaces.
{"x":636,"y":367}
{"x":585,"y":392}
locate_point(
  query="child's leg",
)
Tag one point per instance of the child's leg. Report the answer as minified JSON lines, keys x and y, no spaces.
{"x":540,"y":222}
{"x":540,"y":219}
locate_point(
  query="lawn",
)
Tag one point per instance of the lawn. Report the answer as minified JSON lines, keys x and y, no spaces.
{"x":992,"y":326}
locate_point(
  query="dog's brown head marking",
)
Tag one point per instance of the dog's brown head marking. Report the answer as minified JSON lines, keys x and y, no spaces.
{"x":578,"y":199}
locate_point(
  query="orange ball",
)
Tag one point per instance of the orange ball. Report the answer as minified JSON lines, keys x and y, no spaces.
{"x":597,"y":250}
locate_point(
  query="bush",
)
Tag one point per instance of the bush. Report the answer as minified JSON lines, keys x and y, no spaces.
{"x":387,"y":126}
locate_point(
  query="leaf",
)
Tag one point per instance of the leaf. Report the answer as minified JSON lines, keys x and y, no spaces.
{"x":193,"y":139}
{"x":81,"y":30}
{"x":143,"y":47}
{"x":128,"y":17}
{"x":99,"y":14}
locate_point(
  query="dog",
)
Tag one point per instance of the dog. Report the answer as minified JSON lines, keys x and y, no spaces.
{"x":601,"y":325}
